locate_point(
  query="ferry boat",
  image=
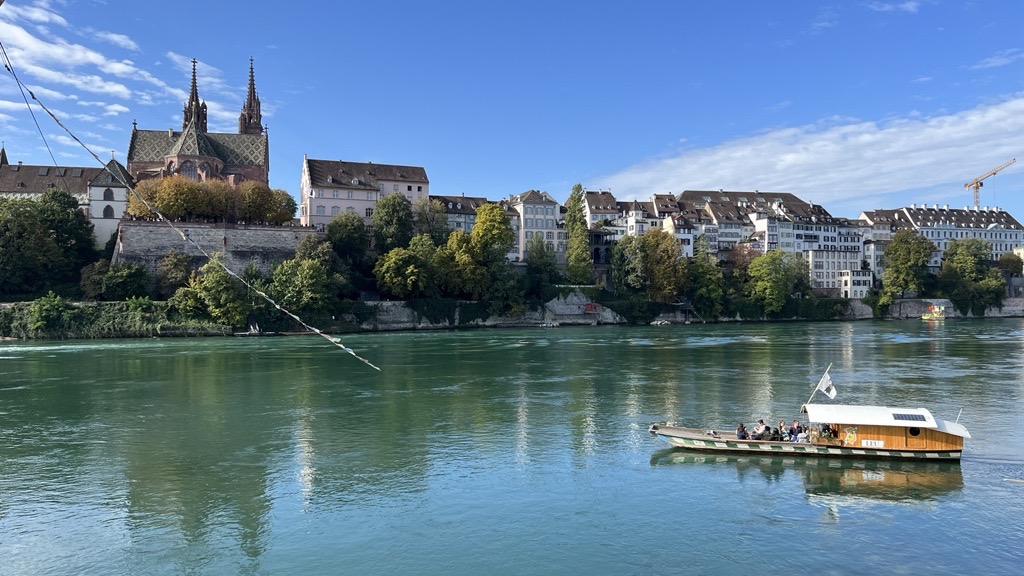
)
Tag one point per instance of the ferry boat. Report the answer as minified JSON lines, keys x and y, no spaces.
{"x":838,"y":430}
{"x":934,"y":313}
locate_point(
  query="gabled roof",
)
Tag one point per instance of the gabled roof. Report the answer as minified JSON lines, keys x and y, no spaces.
{"x":533,"y":197}
{"x":601,"y":203}
{"x":237,"y":149}
{"x":460,"y":204}
{"x":361,"y":175}
{"x":21,"y":180}
{"x":192,"y":142}
{"x":114,"y":174}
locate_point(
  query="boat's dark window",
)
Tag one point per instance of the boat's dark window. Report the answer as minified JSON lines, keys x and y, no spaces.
{"x":914,"y":431}
{"x":910,"y":417}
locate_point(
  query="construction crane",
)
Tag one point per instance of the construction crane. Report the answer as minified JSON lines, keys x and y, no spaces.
{"x":976,"y":184}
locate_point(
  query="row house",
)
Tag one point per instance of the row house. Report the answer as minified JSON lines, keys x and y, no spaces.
{"x":460,"y":210}
{"x":538,"y":214}
{"x":330,"y":187}
{"x":941,"y":225}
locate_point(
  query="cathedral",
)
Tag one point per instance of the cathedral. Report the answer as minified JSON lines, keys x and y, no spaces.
{"x":200,"y":155}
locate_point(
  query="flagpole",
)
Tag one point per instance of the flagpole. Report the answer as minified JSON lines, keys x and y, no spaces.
{"x":813,"y":392}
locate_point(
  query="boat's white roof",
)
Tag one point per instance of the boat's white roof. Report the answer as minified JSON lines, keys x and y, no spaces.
{"x":880,"y":416}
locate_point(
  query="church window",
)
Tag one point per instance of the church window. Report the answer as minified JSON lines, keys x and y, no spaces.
{"x":188,"y":170}
{"x":108,"y":212}
{"x":108,"y":195}
{"x":204,"y":170}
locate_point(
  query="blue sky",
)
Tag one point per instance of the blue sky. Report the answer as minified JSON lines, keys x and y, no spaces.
{"x":852,"y":105}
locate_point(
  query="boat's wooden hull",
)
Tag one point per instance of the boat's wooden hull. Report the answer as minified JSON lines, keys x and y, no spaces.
{"x":711,"y":441}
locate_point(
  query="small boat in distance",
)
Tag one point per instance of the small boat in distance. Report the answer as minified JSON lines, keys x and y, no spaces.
{"x":839,"y":431}
{"x":934,"y":313}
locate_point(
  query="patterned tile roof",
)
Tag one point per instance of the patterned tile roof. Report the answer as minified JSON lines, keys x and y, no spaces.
{"x":192,"y":142}
{"x":237,"y":149}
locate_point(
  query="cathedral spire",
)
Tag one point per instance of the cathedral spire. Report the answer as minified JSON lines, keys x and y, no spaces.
{"x":250,"y":120}
{"x":195,"y":110}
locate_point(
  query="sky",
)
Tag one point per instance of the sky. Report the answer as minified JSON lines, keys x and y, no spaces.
{"x":854,"y":105}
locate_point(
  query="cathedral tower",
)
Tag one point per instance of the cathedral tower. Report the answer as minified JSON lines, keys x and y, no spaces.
{"x":250,"y":120}
{"x":194,"y":110}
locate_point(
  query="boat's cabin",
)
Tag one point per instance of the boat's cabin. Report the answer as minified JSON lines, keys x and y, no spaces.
{"x":882,"y":427}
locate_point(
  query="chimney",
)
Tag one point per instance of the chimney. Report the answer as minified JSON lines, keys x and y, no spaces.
{"x":170,"y":133}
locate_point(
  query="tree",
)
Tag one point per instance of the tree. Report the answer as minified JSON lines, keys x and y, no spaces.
{"x":258,"y":202}
{"x":339,"y":273}
{"x":737,"y":264}
{"x":774,"y":277}
{"x":969,"y":257}
{"x":301,"y":286}
{"x":27,"y":249}
{"x":492,"y":237}
{"x":458,"y":272}
{"x":224,"y":297}
{"x":71,"y":231}
{"x":968,"y":279}
{"x":906,"y":264}
{"x":628,"y":276}
{"x":579,"y":261}
{"x":146,"y":190}
{"x":123,"y":281}
{"x":662,"y":265}
{"x":284,"y":207}
{"x":541,"y":268}
{"x":178,"y":198}
{"x":401,"y":273}
{"x":705,"y":282}
{"x":430,"y":218}
{"x":392,"y":223}
{"x":347,"y":234}
{"x":1011,"y":263}
{"x":92,"y":279}
{"x":172,"y":272}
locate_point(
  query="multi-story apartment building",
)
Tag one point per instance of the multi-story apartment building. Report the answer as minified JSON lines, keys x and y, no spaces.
{"x":599,"y":206}
{"x":331,"y":187}
{"x":461,"y":210}
{"x":538,"y":214}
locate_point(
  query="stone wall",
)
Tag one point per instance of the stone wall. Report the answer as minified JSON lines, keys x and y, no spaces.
{"x":146,"y":242}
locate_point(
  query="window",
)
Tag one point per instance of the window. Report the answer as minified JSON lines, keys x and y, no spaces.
{"x":395,"y":187}
{"x":108,"y":212}
{"x":419,"y":188}
{"x":188,"y":170}
{"x":409,"y":189}
{"x":369,"y":212}
{"x":369,"y":195}
{"x":334,"y":193}
{"x":108,"y":195}
{"x":350,"y":194}
{"x":335,"y":210}
{"x":321,"y":210}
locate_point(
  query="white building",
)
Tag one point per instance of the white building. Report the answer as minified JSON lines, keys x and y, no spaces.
{"x":331,"y":187}
{"x":538,"y":214}
{"x":108,"y":200}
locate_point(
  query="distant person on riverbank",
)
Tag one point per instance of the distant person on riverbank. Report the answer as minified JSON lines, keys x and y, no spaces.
{"x":741,"y":432}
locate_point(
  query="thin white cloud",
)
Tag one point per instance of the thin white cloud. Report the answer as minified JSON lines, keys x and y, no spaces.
{"x":1000,"y":59}
{"x":825,"y":19}
{"x":920,"y":79}
{"x":119,"y":40}
{"x":838,"y":160}
{"x":907,"y":7}
{"x":39,"y":14}
{"x":779,"y":106}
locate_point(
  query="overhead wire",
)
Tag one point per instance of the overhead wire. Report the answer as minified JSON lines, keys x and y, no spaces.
{"x":120,"y":178}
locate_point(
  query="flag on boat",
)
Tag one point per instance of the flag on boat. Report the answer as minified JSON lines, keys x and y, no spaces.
{"x":825,"y":385}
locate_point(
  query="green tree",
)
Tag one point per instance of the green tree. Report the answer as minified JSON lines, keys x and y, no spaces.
{"x":423,"y":247}
{"x":967,"y":277}
{"x":492,"y":237}
{"x":705,"y":279}
{"x":579,"y":261}
{"x":146,"y":190}
{"x":92,"y":279}
{"x":906,"y":265}
{"x":774,"y":277}
{"x":400,"y":273}
{"x":628,"y":276}
{"x":541,"y":269}
{"x":347,"y":234}
{"x":392,"y":223}
{"x":71,"y":231}
{"x":123,"y":281}
{"x":662,"y":265}
{"x":178,"y":198}
{"x":224,"y":297}
{"x":969,"y":257}
{"x":27,"y":249}
{"x":1011,"y":263}
{"x":301,"y":286}
{"x":172,"y":272}
{"x":430,"y":218}
{"x":460,"y":274}
{"x":314,"y":247}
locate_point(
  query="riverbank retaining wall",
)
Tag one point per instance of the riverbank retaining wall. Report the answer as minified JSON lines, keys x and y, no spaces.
{"x":145,"y":242}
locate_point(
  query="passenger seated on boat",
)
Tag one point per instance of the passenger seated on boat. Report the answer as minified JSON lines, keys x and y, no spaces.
{"x":795,"y":431}
{"x":776,"y":435}
{"x":741,"y":432}
{"x":760,"y":430}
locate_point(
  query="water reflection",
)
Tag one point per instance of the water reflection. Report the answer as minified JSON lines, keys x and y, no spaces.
{"x":836,"y":481}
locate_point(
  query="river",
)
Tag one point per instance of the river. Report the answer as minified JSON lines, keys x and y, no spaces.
{"x":515,"y":451}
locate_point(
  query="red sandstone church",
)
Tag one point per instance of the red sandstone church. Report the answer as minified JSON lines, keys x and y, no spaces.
{"x":200,"y":155}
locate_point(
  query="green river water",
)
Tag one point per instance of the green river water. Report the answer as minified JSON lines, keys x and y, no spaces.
{"x":518,"y":451}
